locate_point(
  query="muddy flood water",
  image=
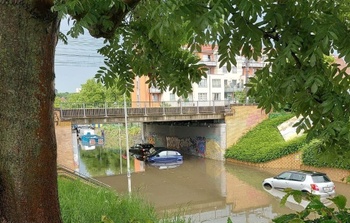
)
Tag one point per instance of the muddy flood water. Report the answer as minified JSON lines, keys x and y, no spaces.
{"x":210,"y":191}
{"x":199,"y":189}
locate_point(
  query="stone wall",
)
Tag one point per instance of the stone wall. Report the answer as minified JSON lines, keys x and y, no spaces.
{"x":293,"y":161}
{"x":244,"y":118}
{"x":64,"y":141}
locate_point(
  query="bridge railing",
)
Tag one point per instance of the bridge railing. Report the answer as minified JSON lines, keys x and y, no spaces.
{"x":108,"y":109}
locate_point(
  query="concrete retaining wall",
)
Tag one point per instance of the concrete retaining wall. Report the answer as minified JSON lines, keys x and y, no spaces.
{"x":244,"y":118}
{"x":293,"y":161}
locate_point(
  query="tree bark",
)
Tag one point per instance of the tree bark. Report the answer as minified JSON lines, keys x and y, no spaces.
{"x":28,"y":176}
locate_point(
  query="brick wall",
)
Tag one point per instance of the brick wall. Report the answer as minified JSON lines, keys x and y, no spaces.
{"x":293,"y":161}
{"x":243,"y":119}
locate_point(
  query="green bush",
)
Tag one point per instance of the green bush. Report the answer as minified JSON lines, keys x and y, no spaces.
{"x":264,"y":142}
{"x":316,"y":211}
{"x":317,"y":155}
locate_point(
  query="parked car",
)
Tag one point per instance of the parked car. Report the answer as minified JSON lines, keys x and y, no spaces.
{"x":164,"y":155}
{"x":141,"y":151}
{"x":307,"y":181}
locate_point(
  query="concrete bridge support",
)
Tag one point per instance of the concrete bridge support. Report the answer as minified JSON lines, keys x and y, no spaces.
{"x":190,"y":139}
{"x":204,"y":139}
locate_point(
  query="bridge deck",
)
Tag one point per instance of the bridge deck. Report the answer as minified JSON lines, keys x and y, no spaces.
{"x":88,"y":115}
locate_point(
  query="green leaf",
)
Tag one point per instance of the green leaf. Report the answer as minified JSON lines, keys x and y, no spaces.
{"x":339,"y":201}
{"x":313,"y":60}
{"x":314,"y":88}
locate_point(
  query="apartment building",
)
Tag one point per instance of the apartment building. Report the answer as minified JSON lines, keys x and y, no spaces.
{"x":219,"y":85}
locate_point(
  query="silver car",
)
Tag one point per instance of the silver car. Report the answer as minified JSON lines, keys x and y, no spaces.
{"x":307,"y":181}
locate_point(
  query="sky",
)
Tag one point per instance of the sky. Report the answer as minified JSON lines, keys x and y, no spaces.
{"x":77,"y":61}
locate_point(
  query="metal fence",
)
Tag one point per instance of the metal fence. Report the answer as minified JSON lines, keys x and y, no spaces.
{"x":108,"y":109}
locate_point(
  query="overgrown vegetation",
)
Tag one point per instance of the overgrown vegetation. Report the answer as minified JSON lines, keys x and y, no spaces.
{"x":316,"y":207}
{"x":80,"y":202}
{"x":316,"y":154}
{"x":264,"y":142}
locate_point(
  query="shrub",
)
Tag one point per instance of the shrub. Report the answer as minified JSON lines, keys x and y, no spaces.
{"x":317,"y":155}
{"x":316,"y":211}
{"x":264,"y":142}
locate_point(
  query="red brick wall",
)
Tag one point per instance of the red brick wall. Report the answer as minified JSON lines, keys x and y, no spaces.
{"x":293,"y":161}
{"x":243,"y":119}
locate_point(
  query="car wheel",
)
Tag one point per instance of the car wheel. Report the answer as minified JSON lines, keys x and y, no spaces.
{"x":267,"y":186}
{"x":305,"y":193}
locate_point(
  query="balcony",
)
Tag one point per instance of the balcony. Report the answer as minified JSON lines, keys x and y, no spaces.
{"x":253,"y":64}
{"x":154,"y":90}
{"x":231,"y":89}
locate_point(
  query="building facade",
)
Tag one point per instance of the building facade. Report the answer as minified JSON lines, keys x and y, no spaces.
{"x":219,"y":85}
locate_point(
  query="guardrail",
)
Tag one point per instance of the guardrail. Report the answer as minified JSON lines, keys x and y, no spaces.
{"x":114,"y":109}
{"x":69,"y":173}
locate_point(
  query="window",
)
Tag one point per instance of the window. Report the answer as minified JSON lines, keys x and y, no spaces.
{"x":172,"y":97}
{"x":216,"y":83}
{"x":189,"y":97}
{"x":206,"y":57}
{"x":202,"y":97}
{"x":162,"y":154}
{"x":155,"y":97}
{"x":284,"y":176}
{"x":320,"y":179}
{"x":203,"y":83}
{"x":224,"y":69}
{"x":216,"y":96}
{"x":234,"y":69}
{"x":297,"y":177}
{"x":172,"y":153}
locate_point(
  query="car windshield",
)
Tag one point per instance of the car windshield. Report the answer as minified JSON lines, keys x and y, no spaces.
{"x":320,"y":179}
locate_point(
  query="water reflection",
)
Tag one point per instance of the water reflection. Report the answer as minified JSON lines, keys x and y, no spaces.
{"x":290,"y":203}
{"x":94,"y":161}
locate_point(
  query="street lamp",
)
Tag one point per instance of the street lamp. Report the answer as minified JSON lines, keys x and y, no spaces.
{"x":127,"y":147}
{"x":120,"y":152}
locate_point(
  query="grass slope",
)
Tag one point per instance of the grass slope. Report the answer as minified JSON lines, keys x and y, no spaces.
{"x":264,"y":143}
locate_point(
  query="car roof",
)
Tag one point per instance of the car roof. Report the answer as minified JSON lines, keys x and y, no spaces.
{"x":160,"y":149}
{"x":307,"y":172}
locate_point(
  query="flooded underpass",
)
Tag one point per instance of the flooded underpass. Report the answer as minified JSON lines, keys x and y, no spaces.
{"x":202,"y":190}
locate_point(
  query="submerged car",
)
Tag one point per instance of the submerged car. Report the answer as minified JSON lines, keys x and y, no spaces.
{"x":141,"y":151}
{"x":307,"y":181}
{"x":164,"y":155}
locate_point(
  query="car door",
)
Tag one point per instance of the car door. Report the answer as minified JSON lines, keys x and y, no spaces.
{"x":161,"y":157}
{"x":282,"y":181}
{"x":297,"y":181}
{"x":172,"y":156}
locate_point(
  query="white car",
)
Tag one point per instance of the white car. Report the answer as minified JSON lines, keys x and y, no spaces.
{"x":307,"y":181}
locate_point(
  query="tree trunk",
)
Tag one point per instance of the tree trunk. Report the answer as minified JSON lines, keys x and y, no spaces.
{"x":28,"y":176}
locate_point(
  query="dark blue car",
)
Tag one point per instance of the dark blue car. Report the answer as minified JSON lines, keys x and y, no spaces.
{"x":164,"y":155}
